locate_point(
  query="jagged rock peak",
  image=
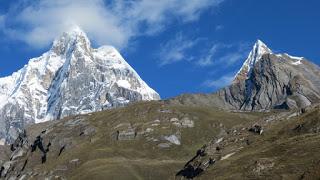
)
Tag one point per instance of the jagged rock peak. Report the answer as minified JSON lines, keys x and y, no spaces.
{"x":70,"y":39}
{"x":258,"y":50}
{"x":261,"y":48}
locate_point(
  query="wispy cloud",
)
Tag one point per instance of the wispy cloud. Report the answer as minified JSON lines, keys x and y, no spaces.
{"x":184,"y":48}
{"x":38,"y":22}
{"x":175,"y":50}
{"x":220,"y":82}
{"x":226,"y":54}
{"x":207,"y":60}
{"x":231,"y":58}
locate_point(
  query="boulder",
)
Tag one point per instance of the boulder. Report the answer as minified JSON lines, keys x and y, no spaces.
{"x":164,"y":145}
{"x":187,"y":123}
{"x":129,"y":134}
{"x":174,"y":139}
{"x":256,"y":129}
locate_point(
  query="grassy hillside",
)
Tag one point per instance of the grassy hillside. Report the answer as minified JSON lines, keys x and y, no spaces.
{"x":132,"y":143}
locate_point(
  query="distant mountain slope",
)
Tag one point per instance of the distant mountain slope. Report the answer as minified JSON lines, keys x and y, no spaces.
{"x":72,"y":78}
{"x":266,"y":81}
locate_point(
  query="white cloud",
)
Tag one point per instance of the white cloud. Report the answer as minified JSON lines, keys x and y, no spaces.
{"x":39,"y":22}
{"x":175,"y":50}
{"x":220,"y":82}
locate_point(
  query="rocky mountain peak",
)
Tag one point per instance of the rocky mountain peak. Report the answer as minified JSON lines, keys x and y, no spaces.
{"x":71,"y":39}
{"x":266,"y":81}
{"x":259,"y":49}
{"x":273,"y":81}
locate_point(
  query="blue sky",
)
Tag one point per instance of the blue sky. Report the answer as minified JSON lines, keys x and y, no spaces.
{"x":176,"y":46}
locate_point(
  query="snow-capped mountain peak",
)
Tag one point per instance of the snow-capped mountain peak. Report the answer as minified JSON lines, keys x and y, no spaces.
{"x":71,"y":78}
{"x":261,"y":48}
{"x":258,"y":50}
{"x":75,"y":37}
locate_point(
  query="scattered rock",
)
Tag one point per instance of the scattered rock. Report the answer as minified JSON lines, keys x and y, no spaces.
{"x":184,"y":122}
{"x":18,"y":153}
{"x":89,"y":131}
{"x":165,"y":111}
{"x":219,"y":140}
{"x":293,"y":115}
{"x":177,"y":124}
{"x":174,"y":120}
{"x":190,"y":172}
{"x":75,"y":122}
{"x":75,"y":162}
{"x":23,"y":177}
{"x":187,"y":123}
{"x":256,"y":129}
{"x":262,"y":165}
{"x":157,"y":121}
{"x":164,"y":145}
{"x":122,"y":125}
{"x":197,"y":165}
{"x":148,"y":130}
{"x":6,"y":167}
{"x":298,"y":128}
{"x":20,"y":141}
{"x":227,"y":156}
{"x":61,"y":168}
{"x":94,"y":139}
{"x":173,"y":139}
{"x":129,"y":134}
{"x":152,"y":139}
{"x":2,"y":142}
